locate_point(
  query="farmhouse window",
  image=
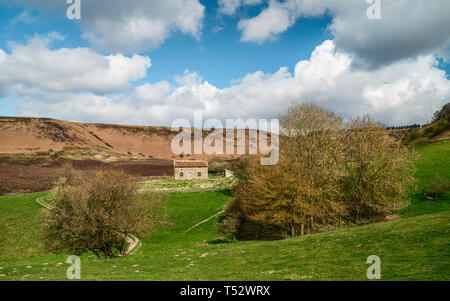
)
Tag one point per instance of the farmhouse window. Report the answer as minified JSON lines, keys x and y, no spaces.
{"x":199,"y":174}
{"x":181,"y":174}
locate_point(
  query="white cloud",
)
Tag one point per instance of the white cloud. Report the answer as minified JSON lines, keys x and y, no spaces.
{"x":405,"y":92}
{"x":35,"y":66}
{"x":131,"y":26}
{"x":407,"y":29}
{"x":266,"y":25}
{"x":229,"y":7}
{"x":277,"y":18}
{"x":24,"y":17}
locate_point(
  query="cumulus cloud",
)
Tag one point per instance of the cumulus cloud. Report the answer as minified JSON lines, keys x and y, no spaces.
{"x":34,"y":66}
{"x":131,"y":26}
{"x":277,"y":18}
{"x":407,"y":29}
{"x":267,"y":25}
{"x":404,"y":92}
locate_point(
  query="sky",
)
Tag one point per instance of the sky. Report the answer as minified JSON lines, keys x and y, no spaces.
{"x":147,"y":62}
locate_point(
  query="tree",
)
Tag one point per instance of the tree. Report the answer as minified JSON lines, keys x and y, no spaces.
{"x":379,"y":170}
{"x":301,"y":188}
{"x":96,"y":212}
{"x":328,"y":172}
{"x":443,"y":113}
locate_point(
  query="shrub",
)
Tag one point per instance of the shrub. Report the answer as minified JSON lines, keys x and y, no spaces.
{"x":96,"y":212}
{"x":439,"y":127}
{"x":229,"y":225}
{"x":411,"y":135}
{"x":68,"y":174}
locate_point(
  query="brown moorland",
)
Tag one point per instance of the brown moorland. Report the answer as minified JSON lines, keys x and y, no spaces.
{"x":33,"y":150}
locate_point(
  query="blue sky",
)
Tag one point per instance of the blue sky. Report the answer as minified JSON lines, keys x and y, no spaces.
{"x":219,"y":57}
{"x":231,"y":55}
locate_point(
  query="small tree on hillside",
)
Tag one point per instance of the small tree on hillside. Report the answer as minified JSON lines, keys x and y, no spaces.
{"x":97,"y":212}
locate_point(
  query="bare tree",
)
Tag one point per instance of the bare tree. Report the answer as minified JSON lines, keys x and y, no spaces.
{"x":96,"y":212}
{"x":379,"y":170}
{"x":329,"y":171}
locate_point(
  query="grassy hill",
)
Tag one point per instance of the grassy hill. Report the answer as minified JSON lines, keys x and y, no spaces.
{"x":414,"y":247}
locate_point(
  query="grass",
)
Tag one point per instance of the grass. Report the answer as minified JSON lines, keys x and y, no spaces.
{"x":18,"y":226}
{"x":414,"y":247}
{"x":434,"y":159}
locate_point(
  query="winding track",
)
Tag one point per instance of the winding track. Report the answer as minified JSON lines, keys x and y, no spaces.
{"x":132,"y":240}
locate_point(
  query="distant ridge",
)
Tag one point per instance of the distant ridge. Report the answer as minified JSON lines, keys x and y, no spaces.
{"x":28,"y":135}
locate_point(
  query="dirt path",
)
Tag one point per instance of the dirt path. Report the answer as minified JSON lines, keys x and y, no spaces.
{"x":203,"y":221}
{"x":132,"y":240}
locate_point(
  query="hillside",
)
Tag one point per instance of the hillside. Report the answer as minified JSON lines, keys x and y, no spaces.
{"x":104,"y":141}
{"x":413,"y":247}
{"x":33,"y":150}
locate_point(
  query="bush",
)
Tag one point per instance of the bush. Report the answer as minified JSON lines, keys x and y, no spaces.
{"x":229,"y":225}
{"x":411,"y":135}
{"x":439,"y":127}
{"x":96,"y":212}
{"x":67,"y":174}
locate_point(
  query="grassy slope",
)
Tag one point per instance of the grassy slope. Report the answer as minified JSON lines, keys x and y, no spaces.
{"x":434,"y":159}
{"x":415,"y":247}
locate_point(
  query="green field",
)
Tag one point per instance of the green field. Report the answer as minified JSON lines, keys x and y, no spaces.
{"x":172,"y":185}
{"x":414,"y":247}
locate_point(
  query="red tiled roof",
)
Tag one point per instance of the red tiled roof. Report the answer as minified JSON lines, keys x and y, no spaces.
{"x":190,"y":164}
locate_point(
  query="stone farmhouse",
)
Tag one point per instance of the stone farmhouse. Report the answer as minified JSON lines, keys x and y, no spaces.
{"x":190,"y":169}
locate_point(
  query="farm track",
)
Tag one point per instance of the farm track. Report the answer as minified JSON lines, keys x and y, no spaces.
{"x":203,"y":221}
